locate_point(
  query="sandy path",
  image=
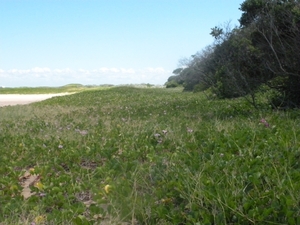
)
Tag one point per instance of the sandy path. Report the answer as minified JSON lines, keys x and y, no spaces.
{"x":16,"y":99}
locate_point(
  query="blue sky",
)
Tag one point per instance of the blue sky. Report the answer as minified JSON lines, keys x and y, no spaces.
{"x":57,"y":42}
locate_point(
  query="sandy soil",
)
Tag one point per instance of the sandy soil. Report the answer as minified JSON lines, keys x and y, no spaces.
{"x":15,"y":99}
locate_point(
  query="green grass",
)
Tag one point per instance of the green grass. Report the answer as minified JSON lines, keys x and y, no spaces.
{"x":168,"y":158}
{"x":51,"y":90}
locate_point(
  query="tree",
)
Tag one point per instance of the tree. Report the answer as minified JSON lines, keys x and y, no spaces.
{"x":194,"y":70}
{"x":265,"y":49}
{"x":276,"y":32}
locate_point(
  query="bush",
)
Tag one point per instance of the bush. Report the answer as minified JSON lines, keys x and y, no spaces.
{"x":172,"y":84}
{"x":200,"y":87}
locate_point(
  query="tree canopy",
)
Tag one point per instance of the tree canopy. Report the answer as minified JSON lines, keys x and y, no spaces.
{"x":263,"y":50}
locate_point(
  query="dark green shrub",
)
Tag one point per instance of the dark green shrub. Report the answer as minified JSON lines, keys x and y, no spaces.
{"x":172,"y":84}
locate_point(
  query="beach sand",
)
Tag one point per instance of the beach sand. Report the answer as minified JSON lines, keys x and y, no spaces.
{"x":18,"y":99}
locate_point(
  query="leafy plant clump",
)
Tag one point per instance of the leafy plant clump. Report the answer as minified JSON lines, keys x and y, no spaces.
{"x":126,"y":155}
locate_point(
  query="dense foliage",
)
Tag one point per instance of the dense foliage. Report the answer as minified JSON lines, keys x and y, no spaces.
{"x":263,"y":51}
{"x":148,"y":156}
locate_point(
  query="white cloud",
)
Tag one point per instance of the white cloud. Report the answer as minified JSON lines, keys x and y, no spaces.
{"x":66,"y":70}
{"x":156,"y":70}
{"x":23,"y":71}
{"x":57,"y":77}
{"x":40,"y":70}
{"x":115,"y":70}
{"x":33,"y":70}
{"x":84,"y":71}
{"x":127,"y":70}
{"x":103,"y":70}
{"x":13,"y":71}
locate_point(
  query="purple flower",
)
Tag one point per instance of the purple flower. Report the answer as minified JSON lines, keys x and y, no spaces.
{"x":60,"y":146}
{"x":264,"y":122}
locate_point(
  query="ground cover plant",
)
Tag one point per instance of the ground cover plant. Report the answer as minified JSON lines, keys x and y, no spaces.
{"x":148,"y":156}
{"x":51,"y":90}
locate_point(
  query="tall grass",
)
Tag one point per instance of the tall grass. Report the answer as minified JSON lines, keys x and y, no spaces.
{"x":148,"y":156}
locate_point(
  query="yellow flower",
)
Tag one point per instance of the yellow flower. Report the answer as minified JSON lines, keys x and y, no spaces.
{"x":107,"y":188}
{"x":166,"y":200}
{"x":39,"y":185}
{"x":40,"y":219}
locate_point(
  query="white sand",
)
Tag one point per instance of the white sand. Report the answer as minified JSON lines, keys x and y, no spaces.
{"x":16,"y":99}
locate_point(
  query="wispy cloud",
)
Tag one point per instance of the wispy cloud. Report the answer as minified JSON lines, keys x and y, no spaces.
{"x":59,"y":71}
{"x":46,"y":77}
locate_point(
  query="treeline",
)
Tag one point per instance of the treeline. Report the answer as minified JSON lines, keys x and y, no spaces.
{"x":264,"y":51}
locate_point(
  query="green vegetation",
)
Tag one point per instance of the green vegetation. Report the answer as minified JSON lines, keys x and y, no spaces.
{"x":148,"y":156}
{"x":263,"y":51}
{"x":51,"y":90}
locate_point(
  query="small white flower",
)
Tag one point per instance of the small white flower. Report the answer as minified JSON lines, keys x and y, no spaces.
{"x":189,"y":130}
{"x":83,"y":132}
